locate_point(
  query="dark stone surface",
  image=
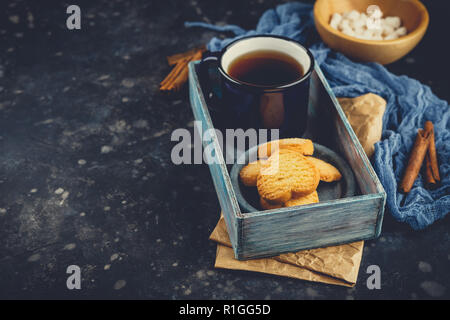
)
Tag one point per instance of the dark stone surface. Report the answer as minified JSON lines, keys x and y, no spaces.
{"x":85,"y":170}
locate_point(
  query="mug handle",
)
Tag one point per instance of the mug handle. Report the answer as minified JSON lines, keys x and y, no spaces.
{"x":210,"y":77}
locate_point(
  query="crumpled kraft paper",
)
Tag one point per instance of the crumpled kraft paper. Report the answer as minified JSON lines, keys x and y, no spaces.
{"x":333,"y":265}
{"x":365,"y":114}
{"x":337,"y":265}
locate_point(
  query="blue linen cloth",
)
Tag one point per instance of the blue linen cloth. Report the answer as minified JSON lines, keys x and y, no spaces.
{"x":409,"y":105}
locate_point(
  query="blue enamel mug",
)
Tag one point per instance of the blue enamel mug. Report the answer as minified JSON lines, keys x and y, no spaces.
{"x":239,"y":104}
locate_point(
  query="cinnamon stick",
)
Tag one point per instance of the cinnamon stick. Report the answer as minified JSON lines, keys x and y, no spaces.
{"x":174,"y":59}
{"x":183,"y":75}
{"x":415,"y":159}
{"x":166,"y":84}
{"x":432,"y":175}
{"x":429,"y":178}
{"x":179,"y":74}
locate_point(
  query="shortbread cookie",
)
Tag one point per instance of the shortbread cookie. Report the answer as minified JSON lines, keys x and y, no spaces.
{"x":304,"y":146}
{"x":286,"y":174}
{"x":267,"y":206}
{"x":313,"y":197}
{"x":328,"y":172}
{"x":250,"y":172}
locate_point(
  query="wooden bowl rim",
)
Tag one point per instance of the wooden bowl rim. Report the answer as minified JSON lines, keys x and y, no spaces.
{"x":419,"y":29}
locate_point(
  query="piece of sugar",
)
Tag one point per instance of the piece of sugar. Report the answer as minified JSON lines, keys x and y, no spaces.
{"x":345,"y":24}
{"x":370,"y":26}
{"x":348,"y":31}
{"x":334,"y":24}
{"x":367,"y":34}
{"x":401,"y":31}
{"x":353,"y":15}
{"x":377,"y":37}
{"x":387,"y":29}
{"x":359,"y":30}
{"x":335,"y":20}
{"x":394,"y":22}
{"x":336,"y":16}
{"x":356,"y":24}
{"x":391,"y":36}
{"x":359,"y":36}
{"x":363,"y":17}
{"x":374,"y":11}
{"x":377,"y":33}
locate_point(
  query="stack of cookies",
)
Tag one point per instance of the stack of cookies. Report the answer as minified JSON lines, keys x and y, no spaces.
{"x":286,"y":174}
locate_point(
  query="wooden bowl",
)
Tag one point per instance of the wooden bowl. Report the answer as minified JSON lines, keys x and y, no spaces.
{"x":413,"y":14}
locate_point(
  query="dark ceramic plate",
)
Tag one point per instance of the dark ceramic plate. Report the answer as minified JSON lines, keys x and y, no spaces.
{"x":248,"y":197}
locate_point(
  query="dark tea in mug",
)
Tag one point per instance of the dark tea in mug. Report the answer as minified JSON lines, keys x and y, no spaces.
{"x":263,"y":83}
{"x":266,"y":68}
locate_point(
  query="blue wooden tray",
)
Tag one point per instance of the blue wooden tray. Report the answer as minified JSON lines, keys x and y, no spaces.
{"x":272,"y":232}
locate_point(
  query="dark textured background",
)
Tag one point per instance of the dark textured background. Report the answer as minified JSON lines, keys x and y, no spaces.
{"x":85,"y":170}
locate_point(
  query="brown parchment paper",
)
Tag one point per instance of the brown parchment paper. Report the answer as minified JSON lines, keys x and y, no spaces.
{"x":365,"y":114}
{"x":337,"y":265}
